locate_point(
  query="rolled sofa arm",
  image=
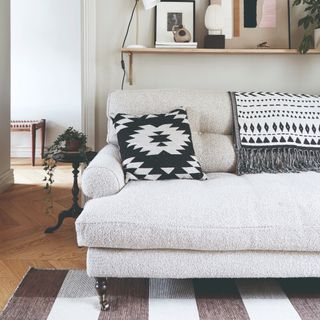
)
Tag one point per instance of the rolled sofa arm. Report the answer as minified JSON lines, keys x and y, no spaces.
{"x":104,"y":175}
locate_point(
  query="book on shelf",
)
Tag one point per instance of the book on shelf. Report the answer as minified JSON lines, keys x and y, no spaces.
{"x":177,"y":45}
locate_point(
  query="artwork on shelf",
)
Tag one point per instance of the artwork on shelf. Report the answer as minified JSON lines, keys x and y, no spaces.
{"x":227,"y":10}
{"x":174,"y":19}
{"x":250,"y":13}
{"x":236,"y":18}
{"x":173,"y":14}
{"x":260,"y":21}
{"x":248,"y":23}
{"x":269,"y":14}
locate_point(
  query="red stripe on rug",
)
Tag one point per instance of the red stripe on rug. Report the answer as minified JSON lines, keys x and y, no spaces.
{"x":304,"y":295}
{"x":219,"y":299}
{"x":35,"y":296}
{"x":128,"y":298}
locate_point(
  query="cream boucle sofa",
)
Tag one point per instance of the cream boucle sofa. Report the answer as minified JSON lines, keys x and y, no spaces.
{"x":260,"y":225}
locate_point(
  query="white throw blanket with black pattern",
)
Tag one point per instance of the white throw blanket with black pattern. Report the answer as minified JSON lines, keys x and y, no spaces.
{"x":276,"y":132}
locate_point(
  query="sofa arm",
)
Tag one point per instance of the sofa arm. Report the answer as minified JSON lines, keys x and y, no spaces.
{"x":104,"y":175}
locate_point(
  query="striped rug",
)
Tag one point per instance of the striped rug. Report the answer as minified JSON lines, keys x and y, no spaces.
{"x":59,"y":295}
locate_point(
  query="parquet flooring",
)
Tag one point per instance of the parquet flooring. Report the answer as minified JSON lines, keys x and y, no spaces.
{"x":23,"y":220}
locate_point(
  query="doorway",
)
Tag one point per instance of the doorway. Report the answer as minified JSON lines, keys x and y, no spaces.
{"x":45,"y":71}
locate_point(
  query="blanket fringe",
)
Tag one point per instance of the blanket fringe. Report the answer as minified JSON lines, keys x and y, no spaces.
{"x":277,"y":160}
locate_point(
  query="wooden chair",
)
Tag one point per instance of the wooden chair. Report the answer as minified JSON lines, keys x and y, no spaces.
{"x":31,"y":126}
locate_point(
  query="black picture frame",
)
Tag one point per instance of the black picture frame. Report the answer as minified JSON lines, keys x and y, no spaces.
{"x":178,"y":2}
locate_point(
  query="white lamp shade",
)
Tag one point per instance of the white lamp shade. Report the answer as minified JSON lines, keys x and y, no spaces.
{"x":214,"y":18}
{"x":148,"y":4}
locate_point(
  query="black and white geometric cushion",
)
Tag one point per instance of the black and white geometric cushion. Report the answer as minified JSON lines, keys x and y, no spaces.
{"x":157,"y":146}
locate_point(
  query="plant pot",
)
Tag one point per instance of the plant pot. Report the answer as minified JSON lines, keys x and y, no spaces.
{"x":73,"y":145}
{"x":317,"y":38}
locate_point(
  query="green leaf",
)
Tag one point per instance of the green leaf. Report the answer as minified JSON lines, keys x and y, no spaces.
{"x":306,"y":44}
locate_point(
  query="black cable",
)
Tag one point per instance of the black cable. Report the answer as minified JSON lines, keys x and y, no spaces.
{"x":289,"y":23}
{"x":123,"y":64}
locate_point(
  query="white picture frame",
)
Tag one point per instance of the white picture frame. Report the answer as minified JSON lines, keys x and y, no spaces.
{"x":181,"y":12}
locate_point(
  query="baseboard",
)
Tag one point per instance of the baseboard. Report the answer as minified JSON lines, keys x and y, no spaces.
{"x":6,"y":180}
{"x":24,"y":152}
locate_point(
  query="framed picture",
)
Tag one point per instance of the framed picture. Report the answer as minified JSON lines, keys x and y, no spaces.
{"x":261,"y":21}
{"x":171,"y":13}
{"x":248,"y":23}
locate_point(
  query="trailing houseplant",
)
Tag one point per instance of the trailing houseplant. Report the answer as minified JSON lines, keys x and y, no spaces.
{"x":70,"y":141}
{"x":312,"y":18}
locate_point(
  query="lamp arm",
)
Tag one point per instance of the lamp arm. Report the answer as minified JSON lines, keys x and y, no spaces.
{"x":123,"y":64}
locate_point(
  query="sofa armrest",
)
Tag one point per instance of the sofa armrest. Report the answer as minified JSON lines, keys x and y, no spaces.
{"x":104,"y":176}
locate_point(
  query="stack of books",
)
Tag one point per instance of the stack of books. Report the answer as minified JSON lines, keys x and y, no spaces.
{"x":176,"y":45}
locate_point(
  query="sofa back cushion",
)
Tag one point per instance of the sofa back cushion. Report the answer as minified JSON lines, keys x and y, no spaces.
{"x":209,"y":113}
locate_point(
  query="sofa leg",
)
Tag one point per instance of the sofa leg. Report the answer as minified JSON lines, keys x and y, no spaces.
{"x":101,"y":287}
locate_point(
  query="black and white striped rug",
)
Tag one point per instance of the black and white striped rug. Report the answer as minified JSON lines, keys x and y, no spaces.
{"x":59,"y":295}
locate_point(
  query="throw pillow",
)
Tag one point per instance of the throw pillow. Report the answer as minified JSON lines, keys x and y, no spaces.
{"x":157,"y":146}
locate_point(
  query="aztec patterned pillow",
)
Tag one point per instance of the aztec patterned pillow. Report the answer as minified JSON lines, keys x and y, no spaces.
{"x":157,"y":146}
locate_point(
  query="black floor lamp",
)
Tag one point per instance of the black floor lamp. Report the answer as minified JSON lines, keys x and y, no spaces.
{"x":289,"y":23}
{"x":148,"y":4}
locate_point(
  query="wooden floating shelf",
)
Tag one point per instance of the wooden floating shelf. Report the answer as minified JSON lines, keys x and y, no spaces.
{"x":133,"y":51}
{"x":213,"y":51}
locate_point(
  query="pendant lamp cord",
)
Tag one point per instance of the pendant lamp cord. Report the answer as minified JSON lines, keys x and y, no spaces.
{"x":123,"y":64}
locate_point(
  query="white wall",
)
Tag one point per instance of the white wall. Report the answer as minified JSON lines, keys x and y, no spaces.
{"x":6,"y":175}
{"x":46,"y":66}
{"x":240,"y":72}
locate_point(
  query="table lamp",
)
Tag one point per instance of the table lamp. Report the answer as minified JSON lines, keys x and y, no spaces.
{"x":214,"y":22}
{"x":148,"y":4}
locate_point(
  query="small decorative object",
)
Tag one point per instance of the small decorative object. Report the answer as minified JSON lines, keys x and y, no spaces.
{"x":170,"y":14}
{"x":263,"y":45}
{"x":181,"y":34}
{"x":312,"y":18}
{"x":214,"y":22}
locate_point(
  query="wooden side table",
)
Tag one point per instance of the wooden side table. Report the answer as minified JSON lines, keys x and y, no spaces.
{"x":75,"y":158}
{"x":31,"y":126}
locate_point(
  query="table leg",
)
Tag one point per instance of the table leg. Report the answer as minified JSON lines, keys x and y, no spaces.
{"x":43,"y":137}
{"x":75,"y":210}
{"x":33,"y":137}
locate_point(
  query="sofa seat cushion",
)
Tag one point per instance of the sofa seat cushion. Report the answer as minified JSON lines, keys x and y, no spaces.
{"x":276,"y":212}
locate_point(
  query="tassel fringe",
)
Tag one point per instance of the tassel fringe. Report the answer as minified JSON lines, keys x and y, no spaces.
{"x":277,"y":160}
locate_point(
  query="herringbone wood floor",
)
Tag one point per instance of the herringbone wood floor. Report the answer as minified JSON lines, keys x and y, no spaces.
{"x":23,"y":220}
